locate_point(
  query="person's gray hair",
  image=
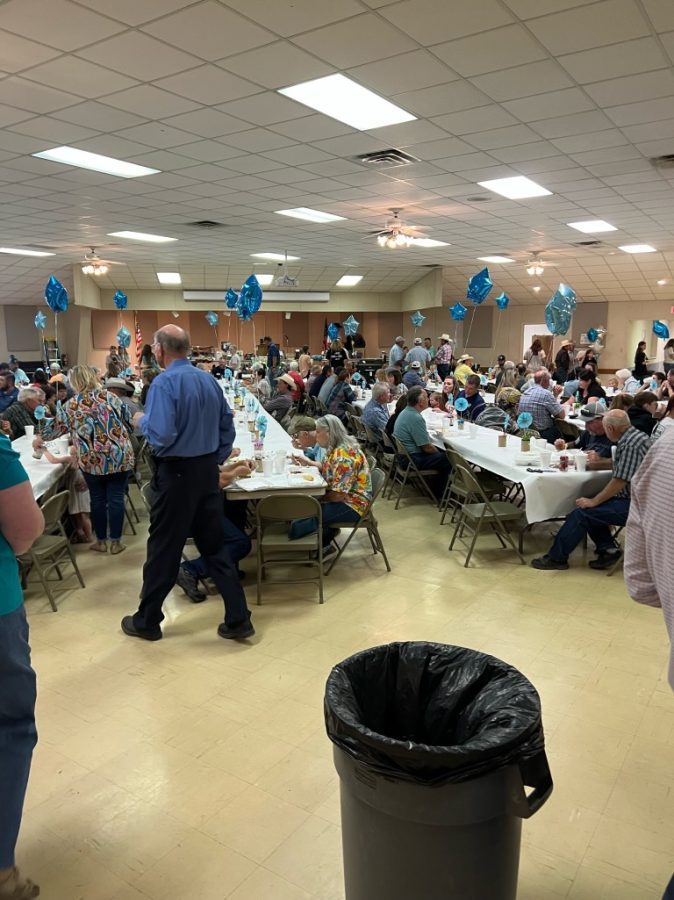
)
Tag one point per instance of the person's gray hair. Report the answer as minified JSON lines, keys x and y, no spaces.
{"x":175,"y":342}
{"x":30,"y":393}
{"x":509,"y":378}
{"x":617,"y":420}
{"x":293,"y":366}
{"x":379,"y":390}
{"x":338,"y":436}
{"x":474,"y":380}
{"x":55,"y":367}
{"x":541,"y":376}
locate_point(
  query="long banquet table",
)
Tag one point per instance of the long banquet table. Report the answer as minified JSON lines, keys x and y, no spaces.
{"x":42,"y":474}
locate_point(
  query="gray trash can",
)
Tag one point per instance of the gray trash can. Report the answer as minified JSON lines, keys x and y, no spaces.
{"x":434,"y":746}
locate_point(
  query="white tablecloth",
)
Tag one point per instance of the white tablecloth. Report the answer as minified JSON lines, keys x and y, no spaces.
{"x":548,"y":495}
{"x":42,"y":474}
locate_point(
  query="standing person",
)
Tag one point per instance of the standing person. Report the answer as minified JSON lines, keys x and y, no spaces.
{"x":640,"y":370}
{"x":337,"y":355}
{"x":189,"y":427}
{"x":148,"y":361}
{"x":428,"y":345}
{"x":21,"y":522}
{"x":273,"y":360}
{"x":396,"y":354}
{"x":534,"y":357}
{"x":564,"y":361}
{"x":113,"y":364}
{"x":305,"y":362}
{"x":443,"y":356}
{"x":20,"y":377}
{"x":419,"y":354}
{"x":99,"y":425}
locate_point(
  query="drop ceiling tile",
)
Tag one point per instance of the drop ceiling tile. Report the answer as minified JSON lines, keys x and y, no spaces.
{"x":257,"y":140}
{"x":580,"y":123}
{"x":633,"y":89}
{"x":624,"y":58}
{"x":209,"y":30}
{"x":58,"y":24}
{"x":640,"y":113}
{"x":355,"y":41}
{"x":157,"y":135}
{"x":18,"y":53}
{"x":661,"y":14}
{"x":502,"y":137}
{"x":68,"y":73}
{"x":150,"y":102}
{"x":164,"y":160}
{"x":131,"y":12}
{"x":581,"y":142}
{"x":482,"y":118}
{"x":668,"y":43}
{"x":542,"y":106}
{"x":593,"y":25}
{"x":463,"y":162}
{"x":529,"y":9}
{"x":404,"y":72}
{"x":277,"y":65}
{"x":139,"y":56}
{"x":287,"y":17}
{"x":267,"y":108}
{"x":9,"y":115}
{"x":441,"y":99}
{"x":210,"y":151}
{"x":652,"y":131}
{"x":207,"y":123}
{"x":523,"y":81}
{"x":16,"y":91}
{"x":490,"y":51}
{"x":432,"y":21}
{"x":408,"y":134}
{"x":253,"y":165}
{"x":312,"y":128}
{"x":349,"y":144}
{"x":536,"y":150}
{"x":209,"y":85}
{"x":297,"y":155}
{"x":53,"y":131}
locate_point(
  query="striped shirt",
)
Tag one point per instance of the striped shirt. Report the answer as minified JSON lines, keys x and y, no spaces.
{"x":543,"y":406}
{"x":649,"y":561}
{"x":629,"y":454}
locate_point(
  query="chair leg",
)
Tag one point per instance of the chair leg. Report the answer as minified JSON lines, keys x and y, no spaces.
{"x":45,"y":585}
{"x":380,"y":545}
{"x":459,"y":524}
{"x":260,"y":566}
{"x":321,"y":598}
{"x":128,"y":518}
{"x":133,"y":508}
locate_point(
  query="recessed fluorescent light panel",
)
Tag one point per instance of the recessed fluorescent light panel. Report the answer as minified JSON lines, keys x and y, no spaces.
{"x":264,"y":280}
{"x":495,"y":259}
{"x":593,"y":226}
{"x":17,"y":251}
{"x":275,"y":257}
{"x":637,"y":248}
{"x":349,"y":280}
{"x":516,"y":188}
{"x":169,"y":278}
{"x":140,"y":236}
{"x":662,"y":281}
{"x":428,"y":242}
{"x":343,"y":99}
{"x":309,"y":215}
{"x":71,"y":156}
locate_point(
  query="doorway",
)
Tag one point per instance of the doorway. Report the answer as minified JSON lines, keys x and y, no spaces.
{"x":531,"y":333}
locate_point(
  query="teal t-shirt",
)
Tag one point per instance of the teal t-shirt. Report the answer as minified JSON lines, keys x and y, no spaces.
{"x":410,"y":429}
{"x":11,"y":473}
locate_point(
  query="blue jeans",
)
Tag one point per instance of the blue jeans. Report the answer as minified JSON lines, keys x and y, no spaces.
{"x":669,"y":891}
{"x":18,"y":735}
{"x":237,"y":546}
{"x":593,"y":522}
{"x":107,"y":503}
{"x":333,"y":511}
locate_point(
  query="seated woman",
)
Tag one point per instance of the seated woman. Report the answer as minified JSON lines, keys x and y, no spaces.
{"x":401,"y":403}
{"x":642,"y":412}
{"x":395,"y":380}
{"x":450,"y":388}
{"x":341,"y":394}
{"x":665,"y":423}
{"x":347,"y":474}
{"x":622,"y":401}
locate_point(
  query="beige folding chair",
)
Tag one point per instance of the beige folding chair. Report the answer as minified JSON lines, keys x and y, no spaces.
{"x":367,"y":521}
{"x":273,"y":517}
{"x":407,"y":472}
{"x":493,"y":513}
{"x":455,"y":492}
{"x":52,"y":549}
{"x":374,"y":442}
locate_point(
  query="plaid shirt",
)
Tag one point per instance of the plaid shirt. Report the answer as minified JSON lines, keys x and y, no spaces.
{"x":630,"y":451}
{"x":542,"y":405}
{"x":443,"y":355}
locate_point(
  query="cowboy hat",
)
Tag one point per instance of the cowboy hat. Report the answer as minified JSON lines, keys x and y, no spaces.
{"x":444,"y":337}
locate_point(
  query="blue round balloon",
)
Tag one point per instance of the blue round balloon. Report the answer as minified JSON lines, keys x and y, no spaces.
{"x":592,"y":335}
{"x":40,"y":413}
{"x":212,"y":318}
{"x":461,"y":404}
{"x":121,"y":300}
{"x":56,"y":295}
{"x":524,"y":420}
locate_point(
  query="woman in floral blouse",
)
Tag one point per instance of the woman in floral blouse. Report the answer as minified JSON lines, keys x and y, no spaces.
{"x":347,"y":474}
{"x":99,"y":426}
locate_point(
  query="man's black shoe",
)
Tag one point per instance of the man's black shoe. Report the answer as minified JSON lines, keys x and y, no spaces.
{"x":236,"y":632}
{"x":188,"y":583}
{"x":152,"y":634}
{"x":605,"y":560}
{"x":547,"y":562}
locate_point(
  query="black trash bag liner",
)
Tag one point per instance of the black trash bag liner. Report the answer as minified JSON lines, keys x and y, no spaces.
{"x":432,"y":713}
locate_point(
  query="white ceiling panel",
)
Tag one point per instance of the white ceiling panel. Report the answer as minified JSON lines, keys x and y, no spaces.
{"x":139,"y":56}
{"x":78,"y":77}
{"x":433,"y":21}
{"x":59,"y":23}
{"x":150,"y":102}
{"x":18,"y":53}
{"x":441,"y":99}
{"x":277,"y":65}
{"x":529,"y":9}
{"x":490,"y":51}
{"x":207,"y":123}
{"x":37,"y":98}
{"x":404,"y":72}
{"x":267,"y":108}
{"x":623,"y":58}
{"x":634,"y":89}
{"x":523,"y":81}
{"x":288,"y":17}
{"x":355,"y":41}
{"x":209,"y":85}
{"x":134,"y":13}
{"x":592,"y":25}
{"x":661,"y":14}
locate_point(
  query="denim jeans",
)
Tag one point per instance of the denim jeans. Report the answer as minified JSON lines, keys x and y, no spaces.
{"x":107,"y":503}
{"x":237,"y":546}
{"x":593,"y":522}
{"x":333,"y":511}
{"x":17,"y":727}
{"x":669,"y":890}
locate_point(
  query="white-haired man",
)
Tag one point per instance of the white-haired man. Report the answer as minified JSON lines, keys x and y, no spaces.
{"x":21,"y":413}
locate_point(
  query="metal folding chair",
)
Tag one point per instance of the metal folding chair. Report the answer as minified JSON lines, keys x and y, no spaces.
{"x":367,"y":521}
{"x":407,"y":472}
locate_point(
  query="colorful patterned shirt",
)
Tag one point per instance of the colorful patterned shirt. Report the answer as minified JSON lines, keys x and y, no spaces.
{"x":443,"y":355}
{"x":346,"y":471}
{"x":99,"y":426}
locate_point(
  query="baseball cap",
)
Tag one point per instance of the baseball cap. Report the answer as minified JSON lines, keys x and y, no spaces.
{"x":301,"y":423}
{"x":415,"y":365}
{"x":418,"y":342}
{"x":593,"y":411}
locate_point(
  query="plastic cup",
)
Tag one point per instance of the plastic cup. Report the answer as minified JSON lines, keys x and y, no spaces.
{"x":581,"y":462}
{"x":472,"y":431}
{"x":267,"y":465}
{"x":546,"y":457}
{"x":30,"y":432}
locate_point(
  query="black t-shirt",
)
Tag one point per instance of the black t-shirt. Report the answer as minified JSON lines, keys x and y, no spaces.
{"x":337,"y":359}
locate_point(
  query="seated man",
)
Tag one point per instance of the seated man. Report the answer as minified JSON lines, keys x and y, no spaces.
{"x":303,"y":432}
{"x":412,"y":378}
{"x":410,"y":429}
{"x":471,"y":393}
{"x":611,"y":506}
{"x":9,"y":392}
{"x":294,"y":372}
{"x":376,"y":414}
{"x":543,"y":405}
{"x":282,"y":400}
{"x":19,"y":414}
{"x":593,"y":440}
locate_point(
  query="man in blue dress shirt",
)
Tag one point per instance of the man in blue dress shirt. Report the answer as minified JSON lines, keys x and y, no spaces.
{"x":190,"y":429}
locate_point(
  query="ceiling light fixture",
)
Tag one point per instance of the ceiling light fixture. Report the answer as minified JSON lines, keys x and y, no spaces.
{"x":637,"y":248}
{"x":516,"y":188}
{"x":662,"y":281}
{"x":140,"y":236}
{"x":169,"y":278}
{"x":496,"y":259}
{"x":309,"y":215}
{"x":536,"y":288}
{"x":18,"y":251}
{"x":535,"y":268}
{"x":349,"y":280}
{"x":343,"y":99}
{"x":274,"y":257}
{"x":82,"y":159}
{"x":428,"y":242}
{"x":265,"y":279}
{"x":592,"y":226}
{"x":95,"y":269}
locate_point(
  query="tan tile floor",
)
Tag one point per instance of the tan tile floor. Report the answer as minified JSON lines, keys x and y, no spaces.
{"x":197,"y":768}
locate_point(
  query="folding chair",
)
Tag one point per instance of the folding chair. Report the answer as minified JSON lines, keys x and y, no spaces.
{"x":374,"y":441}
{"x":52,"y":548}
{"x":494,"y":513}
{"x":273,"y":517}
{"x":366,"y":521}
{"x":388,"y":461}
{"x":455,"y":492}
{"x":407,"y":472}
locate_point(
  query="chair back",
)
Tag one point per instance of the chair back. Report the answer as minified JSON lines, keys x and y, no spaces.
{"x":373,"y":436}
{"x":387,"y":442}
{"x":471,"y":484}
{"x":287,"y":508}
{"x":54,"y":510}
{"x":567,"y":429}
{"x":371,"y":461}
{"x":402,"y":450}
{"x":378,"y":480}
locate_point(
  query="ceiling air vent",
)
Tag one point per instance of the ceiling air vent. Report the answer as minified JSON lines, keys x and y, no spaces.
{"x":588,"y":245}
{"x":478,"y":198}
{"x":663,"y":162}
{"x":386,"y":159}
{"x":207,"y":223}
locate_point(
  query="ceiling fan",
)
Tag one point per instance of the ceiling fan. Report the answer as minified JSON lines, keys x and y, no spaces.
{"x":396,"y":234}
{"x":536,"y":265}
{"x":92,"y":264}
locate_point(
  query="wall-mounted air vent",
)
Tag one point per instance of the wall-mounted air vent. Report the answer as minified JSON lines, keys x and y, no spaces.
{"x":386,"y":159}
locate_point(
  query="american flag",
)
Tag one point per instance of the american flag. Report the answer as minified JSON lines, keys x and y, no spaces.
{"x":139,"y":337}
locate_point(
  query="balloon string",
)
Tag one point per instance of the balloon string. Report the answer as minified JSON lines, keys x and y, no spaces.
{"x":467,"y":341}
{"x":498,"y":328}
{"x":56,"y":333}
